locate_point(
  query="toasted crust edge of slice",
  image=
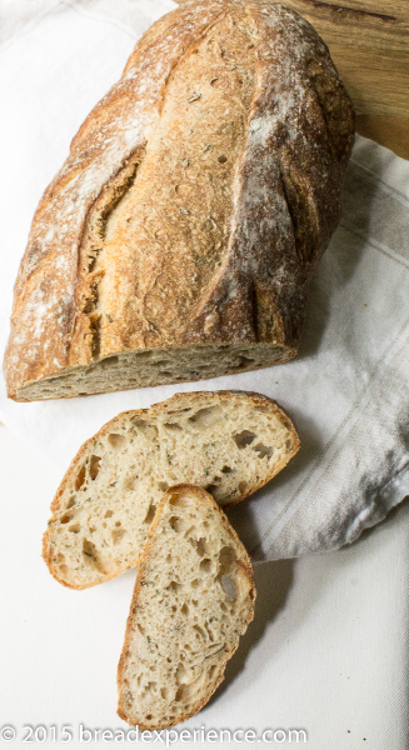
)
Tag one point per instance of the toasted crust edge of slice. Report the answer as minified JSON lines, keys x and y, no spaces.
{"x":246,"y":567}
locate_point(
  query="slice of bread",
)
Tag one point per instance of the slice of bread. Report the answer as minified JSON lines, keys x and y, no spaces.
{"x":230,"y":443}
{"x":193,"y":598}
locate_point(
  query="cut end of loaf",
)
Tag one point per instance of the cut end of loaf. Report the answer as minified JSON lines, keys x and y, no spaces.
{"x":194,"y":596}
{"x":140,"y":369}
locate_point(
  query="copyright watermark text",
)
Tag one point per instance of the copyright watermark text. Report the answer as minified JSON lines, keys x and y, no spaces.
{"x":66,"y":733}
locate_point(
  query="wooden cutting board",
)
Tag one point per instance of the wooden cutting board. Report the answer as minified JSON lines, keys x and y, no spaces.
{"x":369,"y":43}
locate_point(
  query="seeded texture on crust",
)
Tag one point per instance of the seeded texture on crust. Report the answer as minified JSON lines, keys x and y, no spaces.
{"x":193,"y":598}
{"x":179,"y":238}
{"x":230,"y":443}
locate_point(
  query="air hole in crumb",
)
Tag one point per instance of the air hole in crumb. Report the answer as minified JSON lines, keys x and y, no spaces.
{"x":66,"y":519}
{"x":182,"y":693}
{"x":80,"y":478}
{"x":116,"y":440}
{"x":244,"y":361}
{"x":181,"y":673}
{"x":227,"y":557}
{"x":201,"y":546}
{"x":176,"y":523}
{"x":163,"y":486}
{"x":94,"y":466}
{"x":173,"y":426}
{"x":71,"y":502}
{"x":289,"y":444}
{"x":243,"y":486}
{"x":207,"y":417}
{"x":181,"y":499}
{"x":129,"y":483}
{"x":118,"y":523}
{"x":199,"y":631}
{"x":75,"y":528}
{"x":140,"y":628}
{"x":150,"y":514}
{"x":206,"y":565}
{"x":222,"y":159}
{"x":226,"y":470}
{"x":211,"y":672}
{"x":145,"y":428}
{"x":89,"y":549}
{"x":194,"y":584}
{"x":229,"y":587}
{"x":108,"y":361}
{"x":263,"y":450}
{"x":117,"y":535}
{"x":173,"y":586}
{"x":109,"y":514}
{"x":185,"y":609}
{"x":60,"y":558}
{"x":211,"y":488}
{"x":243,"y":438}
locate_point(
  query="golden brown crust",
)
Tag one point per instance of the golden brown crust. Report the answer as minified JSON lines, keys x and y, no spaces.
{"x":246,"y":566}
{"x":232,"y":115}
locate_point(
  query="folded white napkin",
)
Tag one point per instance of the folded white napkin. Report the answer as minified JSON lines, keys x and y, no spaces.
{"x":348,"y":391}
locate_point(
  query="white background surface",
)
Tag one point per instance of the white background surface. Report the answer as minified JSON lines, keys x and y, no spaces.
{"x":327,"y":650}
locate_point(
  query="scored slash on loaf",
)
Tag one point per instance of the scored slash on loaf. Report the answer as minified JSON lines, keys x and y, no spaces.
{"x":230,"y":443}
{"x":193,"y":599}
{"x":179,"y":238}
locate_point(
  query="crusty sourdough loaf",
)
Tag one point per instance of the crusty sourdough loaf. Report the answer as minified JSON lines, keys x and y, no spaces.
{"x":230,"y":443}
{"x":193,"y":598}
{"x":179,"y":238}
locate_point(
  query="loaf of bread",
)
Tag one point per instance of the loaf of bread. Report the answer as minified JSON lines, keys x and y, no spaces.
{"x":194,"y":596}
{"x":229,"y":443}
{"x":179,"y":238}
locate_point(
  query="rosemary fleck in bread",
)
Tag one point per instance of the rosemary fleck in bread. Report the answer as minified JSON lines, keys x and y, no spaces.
{"x":230,"y":443}
{"x":194,"y":596}
{"x":179,"y":238}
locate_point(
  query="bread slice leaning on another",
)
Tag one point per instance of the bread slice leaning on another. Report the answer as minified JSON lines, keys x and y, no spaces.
{"x":230,"y":443}
{"x":194,"y":596}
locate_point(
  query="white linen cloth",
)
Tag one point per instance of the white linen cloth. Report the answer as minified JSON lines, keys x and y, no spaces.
{"x":348,"y":390}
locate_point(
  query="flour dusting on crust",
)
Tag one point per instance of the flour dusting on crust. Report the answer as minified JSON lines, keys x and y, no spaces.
{"x":229,"y":231}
